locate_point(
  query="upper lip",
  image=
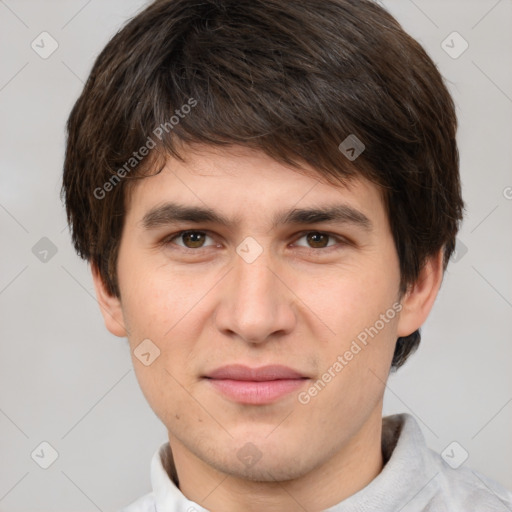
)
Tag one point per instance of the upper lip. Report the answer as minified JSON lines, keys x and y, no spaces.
{"x":241,"y":372}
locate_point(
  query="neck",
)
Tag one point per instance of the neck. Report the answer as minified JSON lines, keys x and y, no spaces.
{"x":346,"y":472}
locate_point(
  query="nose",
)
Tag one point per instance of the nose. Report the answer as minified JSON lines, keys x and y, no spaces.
{"x":256,"y":305}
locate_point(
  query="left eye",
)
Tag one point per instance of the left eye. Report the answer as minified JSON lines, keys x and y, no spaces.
{"x":317,"y":239}
{"x":196,"y":239}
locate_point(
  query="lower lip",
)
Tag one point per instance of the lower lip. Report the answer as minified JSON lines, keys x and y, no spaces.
{"x":252,"y":392}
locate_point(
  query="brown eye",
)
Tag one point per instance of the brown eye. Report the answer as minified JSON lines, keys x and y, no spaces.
{"x":189,"y":239}
{"x":318,"y":240}
{"x":193,"y":240}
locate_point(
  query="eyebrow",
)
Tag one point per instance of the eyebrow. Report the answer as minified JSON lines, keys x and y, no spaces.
{"x":172,"y":213}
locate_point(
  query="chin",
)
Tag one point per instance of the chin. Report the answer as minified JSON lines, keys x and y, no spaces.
{"x":265,"y":471}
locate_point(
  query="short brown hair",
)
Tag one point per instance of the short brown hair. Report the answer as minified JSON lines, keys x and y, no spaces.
{"x":293,"y":78}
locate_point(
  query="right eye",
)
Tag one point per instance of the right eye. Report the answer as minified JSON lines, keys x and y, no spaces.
{"x":190,"y":239}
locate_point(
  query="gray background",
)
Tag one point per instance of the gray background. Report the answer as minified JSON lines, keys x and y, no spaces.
{"x":65,"y":380}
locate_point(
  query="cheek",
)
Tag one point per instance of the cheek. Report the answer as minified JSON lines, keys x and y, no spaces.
{"x":156,"y":310}
{"x":159,"y":306}
{"x":360,"y":306}
{"x":152,"y":298}
{"x":353,"y":299}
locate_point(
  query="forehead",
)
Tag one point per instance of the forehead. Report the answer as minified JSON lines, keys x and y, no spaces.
{"x":242,"y":183}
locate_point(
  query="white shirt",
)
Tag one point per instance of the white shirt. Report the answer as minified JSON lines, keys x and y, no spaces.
{"x":413,"y":479}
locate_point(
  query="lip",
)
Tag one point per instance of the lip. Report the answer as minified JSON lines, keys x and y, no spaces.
{"x":263,"y":373}
{"x":255,"y":386}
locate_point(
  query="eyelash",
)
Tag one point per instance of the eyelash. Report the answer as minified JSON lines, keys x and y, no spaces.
{"x":167,"y":241}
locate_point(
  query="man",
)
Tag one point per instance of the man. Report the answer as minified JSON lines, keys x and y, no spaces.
{"x":268,"y":194}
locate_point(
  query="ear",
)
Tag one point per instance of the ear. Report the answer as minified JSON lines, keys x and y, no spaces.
{"x":417,"y":302}
{"x":110,"y":305}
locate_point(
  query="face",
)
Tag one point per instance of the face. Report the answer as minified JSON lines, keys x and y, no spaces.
{"x":259,"y":283}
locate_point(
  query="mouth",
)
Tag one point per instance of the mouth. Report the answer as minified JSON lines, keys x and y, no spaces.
{"x":256,"y":386}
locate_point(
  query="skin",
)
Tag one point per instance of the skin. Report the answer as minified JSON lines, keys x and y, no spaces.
{"x":300,"y":303}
